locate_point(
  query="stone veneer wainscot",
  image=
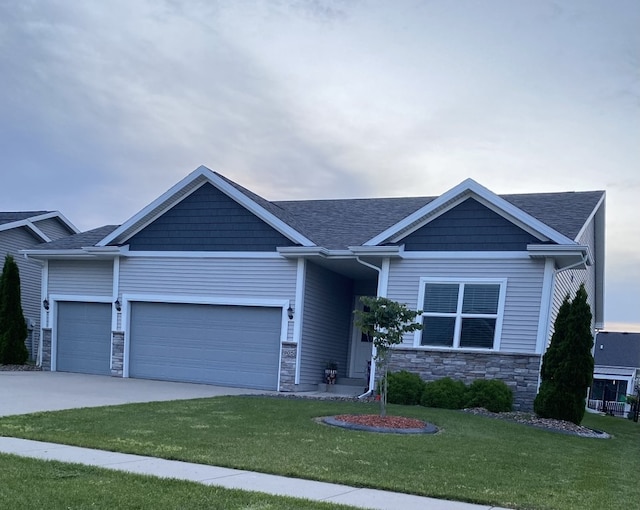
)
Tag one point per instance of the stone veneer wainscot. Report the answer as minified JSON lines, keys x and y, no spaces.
{"x":518,"y":371}
{"x":117,"y":353}
{"x":288,"y":366}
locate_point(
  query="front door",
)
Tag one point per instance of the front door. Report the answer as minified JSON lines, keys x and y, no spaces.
{"x":361,"y":345}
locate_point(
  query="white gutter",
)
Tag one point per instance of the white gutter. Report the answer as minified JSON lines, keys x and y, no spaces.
{"x":585,"y":261}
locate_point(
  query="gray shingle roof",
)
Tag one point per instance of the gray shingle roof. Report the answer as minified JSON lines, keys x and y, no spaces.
{"x":10,"y":217}
{"x":351,"y":222}
{"x":618,"y":349}
{"x":339,"y":223}
{"x":77,"y":241}
{"x":565,"y":212}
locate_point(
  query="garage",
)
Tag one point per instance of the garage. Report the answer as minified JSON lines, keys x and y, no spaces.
{"x":83,"y":337}
{"x":211,"y":344}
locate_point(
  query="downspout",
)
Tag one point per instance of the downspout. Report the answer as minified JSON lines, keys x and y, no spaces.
{"x":372,"y":372}
{"x":583,"y":261}
{"x":44,"y":276}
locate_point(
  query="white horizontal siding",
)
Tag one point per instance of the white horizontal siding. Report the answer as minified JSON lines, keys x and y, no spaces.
{"x":524,"y":291}
{"x":326,"y":325}
{"x":211,"y":278}
{"x":81,"y":277}
{"x":11,"y":242}
{"x":568,"y":282}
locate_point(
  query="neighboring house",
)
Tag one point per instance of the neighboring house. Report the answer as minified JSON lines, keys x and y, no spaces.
{"x":23,"y":230}
{"x":211,"y":283}
{"x":616,"y":371}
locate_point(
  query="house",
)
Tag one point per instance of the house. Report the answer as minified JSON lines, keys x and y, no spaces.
{"x":212,"y":283}
{"x":616,"y":372}
{"x":23,"y":230}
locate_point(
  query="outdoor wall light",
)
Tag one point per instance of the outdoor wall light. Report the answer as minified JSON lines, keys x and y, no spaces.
{"x":117,"y":304}
{"x":290,"y":312}
{"x":45,"y":304}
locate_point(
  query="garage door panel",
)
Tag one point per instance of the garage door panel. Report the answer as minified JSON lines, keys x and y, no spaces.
{"x":83,"y":338}
{"x":214,"y":344}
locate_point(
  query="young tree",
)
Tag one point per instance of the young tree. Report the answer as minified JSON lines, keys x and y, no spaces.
{"x":567,"y":366}
{"x":13,"y":329}
{"x":386,"y":321}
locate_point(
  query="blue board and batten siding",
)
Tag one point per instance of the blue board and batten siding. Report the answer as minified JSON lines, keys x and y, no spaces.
{"x":523,"y":295}
{"x":469,"y":226}
{"x":326,"y":323}
{"x":208,"y":220}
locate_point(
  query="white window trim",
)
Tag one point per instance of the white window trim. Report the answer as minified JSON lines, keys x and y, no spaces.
{"x":502,"y":282}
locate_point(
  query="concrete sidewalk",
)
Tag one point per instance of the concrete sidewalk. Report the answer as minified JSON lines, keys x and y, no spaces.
{"x":231,"y":478}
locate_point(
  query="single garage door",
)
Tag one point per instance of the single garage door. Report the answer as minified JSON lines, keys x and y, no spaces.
{"x":212,"y":344}
{"x":84,"y":337}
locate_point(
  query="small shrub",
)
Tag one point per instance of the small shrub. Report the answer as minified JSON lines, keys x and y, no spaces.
{"x":405,"y":388}
{"x":445,"y":393}
{"x":492,"y":394}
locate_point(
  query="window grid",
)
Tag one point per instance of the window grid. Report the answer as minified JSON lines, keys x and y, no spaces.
{"x":459,"y":315}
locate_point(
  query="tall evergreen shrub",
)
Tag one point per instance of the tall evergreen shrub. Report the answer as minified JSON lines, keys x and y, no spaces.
{"x":13,"y":329}
{"x":567,"y":366}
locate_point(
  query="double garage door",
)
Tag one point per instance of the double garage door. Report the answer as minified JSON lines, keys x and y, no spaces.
{"x":212,"y":344}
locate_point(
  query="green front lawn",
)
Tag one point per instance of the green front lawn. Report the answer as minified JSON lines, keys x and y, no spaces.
{"x":28,"y":484}
{"x":473,"y":458}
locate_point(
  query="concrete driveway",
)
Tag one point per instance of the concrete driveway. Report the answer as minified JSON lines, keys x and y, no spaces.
{"x":29,"y":392}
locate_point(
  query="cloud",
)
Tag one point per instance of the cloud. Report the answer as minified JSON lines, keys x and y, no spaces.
{"x":105,"y":105}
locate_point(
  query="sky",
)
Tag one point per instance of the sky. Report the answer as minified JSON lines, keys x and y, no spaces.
{"x":106,"y":105}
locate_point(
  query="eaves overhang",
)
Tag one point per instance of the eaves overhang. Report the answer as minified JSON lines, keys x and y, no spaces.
{"x":602,"y":371}
{"x":351,"y":252}
{"x":292,"y":252}
{"x":565,"y":257}
{"x":392,"y":251}
{"x":90,"y":252}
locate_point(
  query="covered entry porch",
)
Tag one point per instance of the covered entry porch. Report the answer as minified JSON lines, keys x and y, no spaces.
{"x":328,"y":337}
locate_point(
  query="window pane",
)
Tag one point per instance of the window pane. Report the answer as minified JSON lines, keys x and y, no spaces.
{"x":622,"y":391}
{"x":441,"y":297}
{"x":480,"y":298}
{"x":438,"y":331}
{"x":477,"y":333}
{"x":597,"y":389}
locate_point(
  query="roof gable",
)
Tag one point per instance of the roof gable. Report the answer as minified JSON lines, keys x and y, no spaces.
{"x":207,"y":220}
{"x":182,"y":190}
{"x":455,"y":196}
{"x":469,"y":226}
{"x":30,"y":220}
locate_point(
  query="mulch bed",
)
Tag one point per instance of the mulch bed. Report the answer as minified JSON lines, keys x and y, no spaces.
{"x":381,"y":424}
{"x":374,"y":420}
